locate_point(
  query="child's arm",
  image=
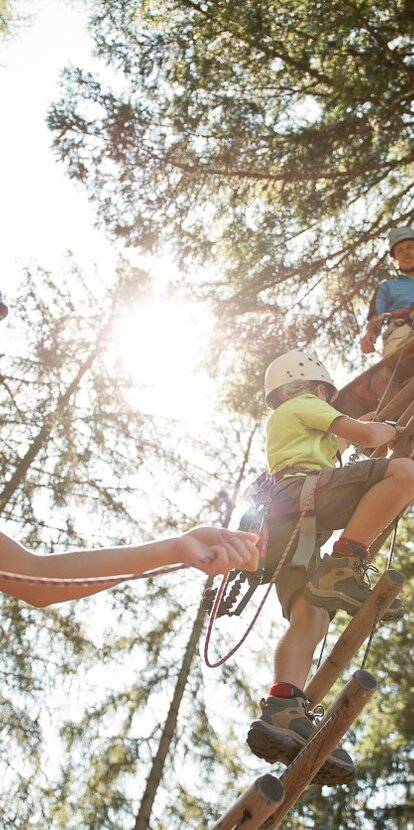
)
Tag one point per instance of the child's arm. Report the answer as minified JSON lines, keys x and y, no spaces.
{"x":371,"y":434}
{"x":212,"y":550}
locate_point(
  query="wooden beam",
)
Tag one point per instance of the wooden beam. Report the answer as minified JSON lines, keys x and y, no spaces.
{"x":401,"y":448}
{"x":393,"y":410}
{"x":254,"y":806}
{"x":360,"y":626}
{"x":325,"y":738}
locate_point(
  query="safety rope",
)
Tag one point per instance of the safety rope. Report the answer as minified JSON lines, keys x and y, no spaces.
{"x":224,"y":582}
{"x":393,"y":541}
{"x":379,"y":608}
{"x":391,"y":380}
{"x":371,"y":636}
{"x":87,"y":580}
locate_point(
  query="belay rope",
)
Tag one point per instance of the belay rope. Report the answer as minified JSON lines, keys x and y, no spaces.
{"x":86,"y":581}
{"x":265,"y":506}
{"x":393,"y":374}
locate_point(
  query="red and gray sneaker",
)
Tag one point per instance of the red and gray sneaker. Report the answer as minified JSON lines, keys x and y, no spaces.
{"x":283,"y":729}
{"x":344,"y":582}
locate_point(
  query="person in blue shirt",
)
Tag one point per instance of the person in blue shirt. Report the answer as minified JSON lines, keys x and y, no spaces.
{"x":392,"y":297}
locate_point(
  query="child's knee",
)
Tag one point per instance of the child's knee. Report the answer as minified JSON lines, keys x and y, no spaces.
{"x":402,"y":470}
{"x":314,"y":621}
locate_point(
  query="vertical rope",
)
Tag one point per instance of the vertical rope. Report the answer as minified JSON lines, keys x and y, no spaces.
{"x":393,"y":540}
{"x":392,"y":374}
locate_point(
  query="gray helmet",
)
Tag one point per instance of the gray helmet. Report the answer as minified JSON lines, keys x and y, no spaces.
{"x":399,"y":235}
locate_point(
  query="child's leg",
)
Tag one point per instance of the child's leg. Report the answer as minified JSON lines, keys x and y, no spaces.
{"x":286,"y":723}
{"x":294,"y":651}
{"x":380,"y":505}
{"x":341,"y":580}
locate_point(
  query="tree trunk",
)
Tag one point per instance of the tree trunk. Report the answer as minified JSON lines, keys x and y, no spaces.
{"x":157,"y":769}
{"x":46,"y":429}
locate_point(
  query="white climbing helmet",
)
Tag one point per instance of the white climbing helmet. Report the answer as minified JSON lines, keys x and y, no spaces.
{"x":399,"y":235}
{"x":295,"y":365}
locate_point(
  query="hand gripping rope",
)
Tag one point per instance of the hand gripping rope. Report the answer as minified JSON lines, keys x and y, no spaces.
{"x":225,"y":580}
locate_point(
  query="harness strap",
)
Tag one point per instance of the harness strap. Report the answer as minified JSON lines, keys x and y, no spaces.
{"x":307,"y":532}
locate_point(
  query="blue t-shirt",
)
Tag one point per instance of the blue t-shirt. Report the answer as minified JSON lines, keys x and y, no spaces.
{"x":393,"y":295}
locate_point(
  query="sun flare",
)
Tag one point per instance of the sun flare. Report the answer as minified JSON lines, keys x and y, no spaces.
{"x":162,"y":345}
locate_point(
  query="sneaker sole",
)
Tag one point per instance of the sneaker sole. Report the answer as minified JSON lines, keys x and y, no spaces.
{"x":335,"y":601}
{"x":273,"y":745}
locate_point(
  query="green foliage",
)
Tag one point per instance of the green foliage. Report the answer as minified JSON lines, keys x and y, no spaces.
{"x":272,"y":142}
{"x":13,"y":15}
{"x":86,"y":688}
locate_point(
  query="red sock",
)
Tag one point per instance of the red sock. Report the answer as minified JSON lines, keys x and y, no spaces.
{"x":350,"y":547}
{"x":284,"y":690}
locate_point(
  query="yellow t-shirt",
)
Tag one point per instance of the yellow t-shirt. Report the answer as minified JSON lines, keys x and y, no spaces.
{"x":297,"y":434}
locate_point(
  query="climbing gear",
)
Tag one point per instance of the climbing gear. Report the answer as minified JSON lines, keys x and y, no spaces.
{"x":307,"y":533}
{"x":261,"y":493}
{"x":399,"y":328}
{"x":399,"y":235}
{"x":295,"y":365}
{"x":282,"y":730}
{"x":344,"y":583}
{"x":396,"y":315}
{"x":398,"y":428}
{"x":219,"y":594}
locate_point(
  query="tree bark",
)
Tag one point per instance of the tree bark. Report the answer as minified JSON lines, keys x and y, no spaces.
{"x":157,"y":769}
{"x":46,"y":429}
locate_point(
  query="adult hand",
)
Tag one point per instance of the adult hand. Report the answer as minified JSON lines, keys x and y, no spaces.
{"x":216,"y":550}
{"x":367,"y":344}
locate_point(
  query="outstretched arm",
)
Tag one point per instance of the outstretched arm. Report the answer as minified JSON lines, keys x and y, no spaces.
{"x":366,"y":434}
{"x":212,"y":550}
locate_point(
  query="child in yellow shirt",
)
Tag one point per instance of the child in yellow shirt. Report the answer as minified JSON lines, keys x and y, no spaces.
{"x":304,"y":435}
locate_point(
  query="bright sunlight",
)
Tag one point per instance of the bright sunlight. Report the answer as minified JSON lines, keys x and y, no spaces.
{"x":163,"y":344}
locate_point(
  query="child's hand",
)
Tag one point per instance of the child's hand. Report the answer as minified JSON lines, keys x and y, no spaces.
{"x":369,"y":416}
{"x":215,"y":550}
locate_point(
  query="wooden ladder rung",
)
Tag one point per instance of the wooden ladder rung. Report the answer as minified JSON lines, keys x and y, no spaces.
{"x":254,"y":806}
{"x":330,"y":730}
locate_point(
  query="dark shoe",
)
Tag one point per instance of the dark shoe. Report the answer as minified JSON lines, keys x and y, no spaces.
{"x":283,"y":729}
{"x":344,"y":582}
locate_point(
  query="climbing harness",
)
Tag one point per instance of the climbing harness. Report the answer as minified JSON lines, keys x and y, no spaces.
{"x":261,"y":493}
{"x":264,"y":488}
{"x":388,"y":316}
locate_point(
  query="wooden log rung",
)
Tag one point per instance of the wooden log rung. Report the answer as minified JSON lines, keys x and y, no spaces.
{"x":254,"y":806}
{"x":331,"y":729}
